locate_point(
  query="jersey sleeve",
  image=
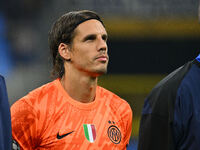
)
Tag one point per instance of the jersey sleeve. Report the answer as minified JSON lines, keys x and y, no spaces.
{"x":127,"y":120}
{"x":155,"y":130}
{"x":24,"y":127}
{"x":185,"y":129}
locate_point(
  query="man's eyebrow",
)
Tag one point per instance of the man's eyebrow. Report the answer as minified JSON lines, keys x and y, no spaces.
{"x":93,"y":36}
{"x":89,"y":37}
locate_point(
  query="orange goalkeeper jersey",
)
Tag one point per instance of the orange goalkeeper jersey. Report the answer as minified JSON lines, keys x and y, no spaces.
{"x":48,"y":118}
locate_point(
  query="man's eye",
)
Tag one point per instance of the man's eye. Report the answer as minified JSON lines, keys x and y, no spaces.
{"x":90,"y":38}
{"x":104,"y":37}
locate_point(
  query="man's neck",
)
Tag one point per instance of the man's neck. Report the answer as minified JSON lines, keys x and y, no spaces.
{"x":80,"y":87}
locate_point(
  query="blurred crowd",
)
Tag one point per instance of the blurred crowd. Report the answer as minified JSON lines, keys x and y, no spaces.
{"x":20,"y":34}
{"x":22,"y":49}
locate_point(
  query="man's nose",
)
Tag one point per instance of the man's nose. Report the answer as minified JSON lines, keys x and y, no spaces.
{"x":102,"y":45}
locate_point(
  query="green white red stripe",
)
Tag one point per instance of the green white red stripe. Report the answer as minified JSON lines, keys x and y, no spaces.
{"x":90,"y":132}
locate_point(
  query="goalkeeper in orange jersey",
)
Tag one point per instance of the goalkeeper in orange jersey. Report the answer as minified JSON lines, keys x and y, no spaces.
{"x":73,"y":112}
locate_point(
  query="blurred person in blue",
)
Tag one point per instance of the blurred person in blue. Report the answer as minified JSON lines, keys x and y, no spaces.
{"x":5,"y":66}
{"x":6,"y":63}
{"x":171,"y":113}
{"x":5,"y":122}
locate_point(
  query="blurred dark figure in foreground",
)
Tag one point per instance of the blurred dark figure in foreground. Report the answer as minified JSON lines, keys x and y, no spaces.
{"x":5,"y":123}
{"x":171,"y":113}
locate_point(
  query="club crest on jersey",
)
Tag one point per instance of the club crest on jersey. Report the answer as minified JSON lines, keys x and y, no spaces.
{"x":90,"y":132}
{"x":114,"y":134}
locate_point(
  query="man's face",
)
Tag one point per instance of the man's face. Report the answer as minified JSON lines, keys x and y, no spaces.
{"x":89,"y":48}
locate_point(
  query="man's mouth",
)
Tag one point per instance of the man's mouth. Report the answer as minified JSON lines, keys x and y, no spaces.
{"x":102,"y":58}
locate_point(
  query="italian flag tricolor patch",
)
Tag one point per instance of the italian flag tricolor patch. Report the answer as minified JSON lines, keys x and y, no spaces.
{"x":90,"y":132}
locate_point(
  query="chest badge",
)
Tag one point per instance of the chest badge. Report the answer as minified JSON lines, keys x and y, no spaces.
{"x":90,"y":132}
{"x":114,"y":133}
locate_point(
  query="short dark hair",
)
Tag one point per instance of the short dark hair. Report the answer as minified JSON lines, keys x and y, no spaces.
{"x":62,"y":31}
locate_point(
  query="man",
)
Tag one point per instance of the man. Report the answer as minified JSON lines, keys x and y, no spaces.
{"x":73,"y":112}
{"x":171,"y":113}
{"x":5,"y":123}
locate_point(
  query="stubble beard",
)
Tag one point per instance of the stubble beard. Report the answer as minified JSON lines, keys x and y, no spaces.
{"x":100,"y":71}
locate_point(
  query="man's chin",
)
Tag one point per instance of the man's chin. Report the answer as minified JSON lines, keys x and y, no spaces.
{"x":99,"y":72}
{"x":102,"y":72}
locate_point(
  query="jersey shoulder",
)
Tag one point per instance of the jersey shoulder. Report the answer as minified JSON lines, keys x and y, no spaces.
{"x":163,"y":95}
{"x":172,"y":81}
{"x":45,"y":89}
{"x":115,"y":102}
{"x":34,"y":97}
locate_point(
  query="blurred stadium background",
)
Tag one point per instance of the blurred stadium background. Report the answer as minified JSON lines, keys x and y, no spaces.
{"x":147,"y":40}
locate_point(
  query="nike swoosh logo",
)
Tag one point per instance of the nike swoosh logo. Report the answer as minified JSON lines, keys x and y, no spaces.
{"x":62,"y":136}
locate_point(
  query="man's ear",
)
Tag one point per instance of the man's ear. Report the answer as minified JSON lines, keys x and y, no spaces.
{"x":64,"y":51}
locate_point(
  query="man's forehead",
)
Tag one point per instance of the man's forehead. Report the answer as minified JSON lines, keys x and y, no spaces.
{"x":92,"y":26}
